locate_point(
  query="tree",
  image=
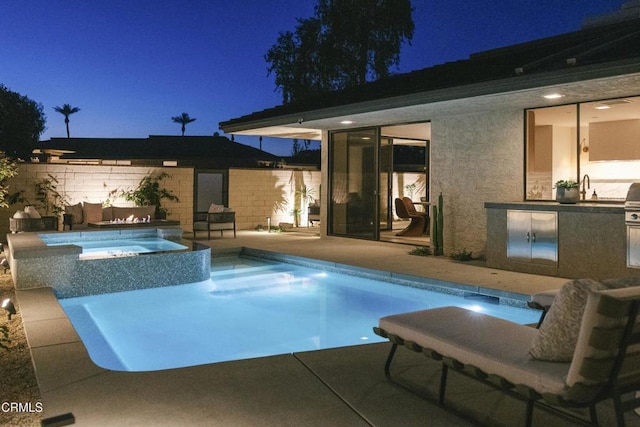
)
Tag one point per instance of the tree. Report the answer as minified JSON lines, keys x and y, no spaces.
{"x":22,"y":121}
{"x":66,"y":110}
{"x":346,"y":43}
{"x":184,"y":120}
{"x":8,"y":169}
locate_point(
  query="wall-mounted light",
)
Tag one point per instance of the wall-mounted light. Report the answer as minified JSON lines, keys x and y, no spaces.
{"x":585,"y":145}
{"x":269,"y":224}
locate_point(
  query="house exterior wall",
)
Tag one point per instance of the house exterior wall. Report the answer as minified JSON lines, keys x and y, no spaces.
{"x":256,"y":194}
{"x":92,"y":183}
{"x":475,"y":158}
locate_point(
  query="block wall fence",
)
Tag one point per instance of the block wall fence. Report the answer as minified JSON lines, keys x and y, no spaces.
{"x":256,"y":194}
{"x":253,"y":193}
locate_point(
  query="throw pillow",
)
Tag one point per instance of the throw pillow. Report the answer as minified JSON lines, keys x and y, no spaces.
{"x":76,"y":213}
{"x":32,"y":212}
{"x":557,"y":337}
{"x":92,"y":212}
{"x":216,"y":208}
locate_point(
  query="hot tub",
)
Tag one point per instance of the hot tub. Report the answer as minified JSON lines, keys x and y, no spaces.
{"x":101,"y":261}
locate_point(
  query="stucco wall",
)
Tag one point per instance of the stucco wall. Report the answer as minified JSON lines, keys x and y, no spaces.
{"x":475,"y":158}
{"x":92,"y":183}
{"x":256,"y":194}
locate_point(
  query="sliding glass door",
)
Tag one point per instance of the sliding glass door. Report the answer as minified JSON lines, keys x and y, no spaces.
{"x":354,"y":184}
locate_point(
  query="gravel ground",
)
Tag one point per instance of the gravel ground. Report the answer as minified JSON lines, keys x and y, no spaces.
{"x":20,"y":403}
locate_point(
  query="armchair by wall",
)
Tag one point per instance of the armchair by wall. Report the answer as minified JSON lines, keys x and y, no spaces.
{"x":216,"y":219}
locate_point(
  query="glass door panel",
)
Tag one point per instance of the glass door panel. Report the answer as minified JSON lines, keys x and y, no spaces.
{"x":386,"y":183}
{"x":354,"y":184}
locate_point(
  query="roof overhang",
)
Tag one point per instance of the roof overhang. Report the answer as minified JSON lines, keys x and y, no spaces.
{"x":579,"y":84}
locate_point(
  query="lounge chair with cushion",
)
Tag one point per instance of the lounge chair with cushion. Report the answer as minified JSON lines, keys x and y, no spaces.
{"x":417,"y":224}
{"x":604,"y":363}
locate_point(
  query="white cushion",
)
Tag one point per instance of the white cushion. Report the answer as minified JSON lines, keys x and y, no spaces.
{"x":32,"y":212}
{"x":494,"y":345}
{"x":216,"y":208}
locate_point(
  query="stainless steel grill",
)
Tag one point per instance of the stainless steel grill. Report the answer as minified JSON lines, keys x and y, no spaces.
{"x":632,"y":205}
{"x":632,"y":219}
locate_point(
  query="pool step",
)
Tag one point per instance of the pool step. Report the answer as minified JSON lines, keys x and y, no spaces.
{"x":256,"y":282}
{"x":239,"y":271}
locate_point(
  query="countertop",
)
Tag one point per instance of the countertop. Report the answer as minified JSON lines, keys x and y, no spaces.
{"x":586,"y":206}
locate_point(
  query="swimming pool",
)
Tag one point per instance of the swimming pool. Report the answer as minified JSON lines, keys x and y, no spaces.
{"x":249,"y":308}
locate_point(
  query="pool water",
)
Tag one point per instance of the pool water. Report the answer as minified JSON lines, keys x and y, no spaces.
{"x":250,"y":308}
{"x":120,"y":247}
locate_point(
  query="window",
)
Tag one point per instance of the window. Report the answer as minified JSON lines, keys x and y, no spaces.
{"x":598,"y":142}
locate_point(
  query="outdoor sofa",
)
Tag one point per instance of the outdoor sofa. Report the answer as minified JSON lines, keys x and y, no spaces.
{"x":578,"y":362}
{"x":79,"y":216}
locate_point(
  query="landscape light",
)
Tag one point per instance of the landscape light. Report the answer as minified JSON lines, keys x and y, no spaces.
{"x":7,"y":304}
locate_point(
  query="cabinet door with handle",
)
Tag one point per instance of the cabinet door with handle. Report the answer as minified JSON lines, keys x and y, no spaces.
{"x":532,"y":236}
{"x":544,"y":241}
{"x":519,"y":235}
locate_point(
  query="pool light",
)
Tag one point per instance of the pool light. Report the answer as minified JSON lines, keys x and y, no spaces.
{"x":7,"y":304}
{"x":476,"y":307}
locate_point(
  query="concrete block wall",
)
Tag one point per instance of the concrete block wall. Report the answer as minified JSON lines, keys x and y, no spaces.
{"x":256,"y":194}
{"x":93,"y":183}
{"x":475,"y":158}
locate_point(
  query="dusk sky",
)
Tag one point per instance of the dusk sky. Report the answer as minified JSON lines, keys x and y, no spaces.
{"x":132,"y":65}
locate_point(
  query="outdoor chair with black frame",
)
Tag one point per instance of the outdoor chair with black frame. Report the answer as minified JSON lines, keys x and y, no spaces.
{"x":214,"y":221}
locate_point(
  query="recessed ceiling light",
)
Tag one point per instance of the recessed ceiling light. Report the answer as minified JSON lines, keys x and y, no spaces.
{"x":602,"y":107}
{"x":346,"y":122}
{"x":553,"y":96}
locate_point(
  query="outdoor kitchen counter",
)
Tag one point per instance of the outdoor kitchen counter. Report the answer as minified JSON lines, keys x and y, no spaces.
{"x":583,"y":207}
{"x":589,"y":239}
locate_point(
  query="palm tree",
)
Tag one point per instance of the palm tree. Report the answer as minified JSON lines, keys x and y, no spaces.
{"x":184,"y":120}
{"x":66,"y":110}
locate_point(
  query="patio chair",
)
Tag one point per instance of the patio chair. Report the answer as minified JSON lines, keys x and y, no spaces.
{"x":417,"y":224}
{"x":413,"y":211}
{"x":214,"y":221}
{"x":605,"y":362}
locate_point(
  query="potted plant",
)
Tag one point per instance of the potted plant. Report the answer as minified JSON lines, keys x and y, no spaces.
{"x":48,"y":198}
{"x":567,"y":191}
{"x":149,"y":193}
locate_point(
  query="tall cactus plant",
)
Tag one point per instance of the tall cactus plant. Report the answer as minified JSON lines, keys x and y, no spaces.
{"x":437,"y":234}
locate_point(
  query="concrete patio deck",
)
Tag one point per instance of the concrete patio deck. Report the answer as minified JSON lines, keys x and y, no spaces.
{"x":336,"y":387}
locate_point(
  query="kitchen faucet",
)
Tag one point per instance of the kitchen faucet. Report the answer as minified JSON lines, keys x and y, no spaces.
{"x":585,"y":180}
